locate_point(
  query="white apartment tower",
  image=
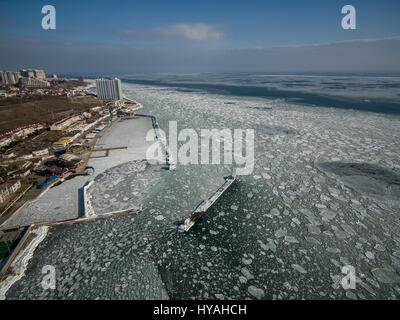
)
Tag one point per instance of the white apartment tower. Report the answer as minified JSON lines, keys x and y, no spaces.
{"x":33,"y":73}
{"x":9,"y":77}
{"x":109,"y":89}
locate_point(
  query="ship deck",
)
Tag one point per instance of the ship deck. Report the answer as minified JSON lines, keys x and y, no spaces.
{"x":202,"y":208}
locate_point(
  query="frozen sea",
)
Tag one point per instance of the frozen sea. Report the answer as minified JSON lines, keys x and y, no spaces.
{"x":324,"y":194}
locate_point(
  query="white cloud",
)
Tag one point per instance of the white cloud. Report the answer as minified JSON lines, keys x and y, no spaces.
{"x":323,"y":44}
{"x":196,"y":32}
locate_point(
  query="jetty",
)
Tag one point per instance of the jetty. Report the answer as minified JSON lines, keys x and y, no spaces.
{"x":169,"y":161}
{"x":202,"y":208}
{"x":107,"y":151}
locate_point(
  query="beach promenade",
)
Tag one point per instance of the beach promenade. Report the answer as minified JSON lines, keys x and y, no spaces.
{"x":65,"y":201}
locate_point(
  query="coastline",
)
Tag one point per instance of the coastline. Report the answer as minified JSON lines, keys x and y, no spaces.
{"x":15,"y":271}
{"x":86,"y":159}
{"x":20,"y":263}
{"x":3,"y":225}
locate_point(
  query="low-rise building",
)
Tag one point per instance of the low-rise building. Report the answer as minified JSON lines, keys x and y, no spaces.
{"x":8,"y":137}
{"x":62,"y":124}
{"x":69,"y":160}
{"x":2,"y":196}
{"x":5,"y":142}
{"x":64,"y":141}
{"x":99,"y":128}
{"x":40,"y":153}
{"x":60,"y":143}
{"x":90,"y":136}
{"x":13,"y":185}
{"x":25,"y":157}
{"x":26,"y":164}
{"x":96,"y":109}
{"x":21,"y":174}
{"x":8,"y":155}
{"x":33,"y":83}
{"x":76,"y":148}
{"x":4,"y":193}
{"x":54,"y":170}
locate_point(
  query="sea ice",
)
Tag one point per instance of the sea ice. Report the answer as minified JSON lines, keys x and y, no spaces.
{"x":385,"y":276}
{"x":299,"y":268}
{"x":256,"y":292}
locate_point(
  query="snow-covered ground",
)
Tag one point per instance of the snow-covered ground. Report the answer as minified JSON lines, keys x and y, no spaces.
{"x":131,"y":133}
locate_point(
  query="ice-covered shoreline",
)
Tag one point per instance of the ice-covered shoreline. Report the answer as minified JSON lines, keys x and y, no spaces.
{"x":62,"y":202}
{"x":21,"y":261}
{"x":116,"y":135}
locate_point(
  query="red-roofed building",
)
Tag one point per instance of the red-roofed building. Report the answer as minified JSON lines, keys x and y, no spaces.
{"x":60,"y":125}
{"x":24,"y":173}
{"x":7,"y":138}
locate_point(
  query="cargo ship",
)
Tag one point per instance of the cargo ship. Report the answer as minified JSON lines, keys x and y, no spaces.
{"x":205,"y":205}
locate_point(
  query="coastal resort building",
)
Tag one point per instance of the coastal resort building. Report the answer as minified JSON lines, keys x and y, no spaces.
{"x":19,"y":133}
{"x":8,"y":188}
{"x":63,"y":142}
{"x":69,"y":160}
{"x":54,"y":170}
{"x":90,"y":135}
{"x":76,"y":148}
{"x":64,"y":123}
{"x":26,"y":164}
{"x":96,"y":109}
{"x":40,"y":153}
{"x":33,"y":73}
{"x":25,"y":157}
{"x":21,"y":174}
{"x":5,"y":142}
{"x":8,"y":155}
{"x":9,"y":77}
{"x":33,"y":83}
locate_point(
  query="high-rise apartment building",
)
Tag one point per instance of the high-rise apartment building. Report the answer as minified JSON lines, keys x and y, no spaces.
{"x":109,"y":89}
{"x":33,"y":83}
{"x":33,"y":73}
{"x":9,"y":77}
{"x":27,"y":73}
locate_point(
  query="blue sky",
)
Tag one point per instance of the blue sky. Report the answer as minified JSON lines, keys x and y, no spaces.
{"x":104,"y":29}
